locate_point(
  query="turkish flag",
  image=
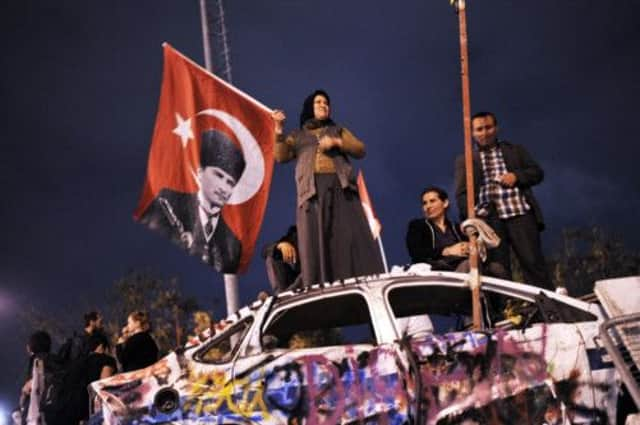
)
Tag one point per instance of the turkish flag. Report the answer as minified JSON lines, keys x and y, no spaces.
{"x":365,"y":200}
{"x":211,"y":152}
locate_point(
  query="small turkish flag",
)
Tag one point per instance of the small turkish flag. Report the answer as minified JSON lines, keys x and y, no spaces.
{"x":365,"y":200}
{"x":210,"y":166}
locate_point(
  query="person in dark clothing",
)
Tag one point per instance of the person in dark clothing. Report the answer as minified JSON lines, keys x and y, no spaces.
{"x":76,"y":346}
{"x":37,"y":392}
{"x":504,"y":175}
{"x":334,"y":239}
{"x":281,"y":261}
{"x":98,"y":365}
{"x":434,"y":239}
{"x":39,"y":346}
{"x":136,"y":348}
{"x":438,"y":241}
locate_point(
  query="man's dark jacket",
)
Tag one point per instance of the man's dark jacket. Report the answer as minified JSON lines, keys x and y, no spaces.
{"x":517,"y":161}
{"x":223,"y":249}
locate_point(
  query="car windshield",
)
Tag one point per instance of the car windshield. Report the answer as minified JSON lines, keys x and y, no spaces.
{"x":221,"y":349}
{"x":337,"y":320}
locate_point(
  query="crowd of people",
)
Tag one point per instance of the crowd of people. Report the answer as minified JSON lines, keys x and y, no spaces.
{"x":55,"y":391}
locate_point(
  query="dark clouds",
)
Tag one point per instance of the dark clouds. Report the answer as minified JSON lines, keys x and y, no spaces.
{"x":81,"y":82}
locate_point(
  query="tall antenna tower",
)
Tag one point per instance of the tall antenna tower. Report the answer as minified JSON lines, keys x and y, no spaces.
{"x":217,"y":55}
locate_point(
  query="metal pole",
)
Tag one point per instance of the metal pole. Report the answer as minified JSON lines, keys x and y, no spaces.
{"x":231,"y":288}
{"x":205,"y":35}
{"x":231,"y":293}
{"x":474,"y":272}
{"x":382,"y":254}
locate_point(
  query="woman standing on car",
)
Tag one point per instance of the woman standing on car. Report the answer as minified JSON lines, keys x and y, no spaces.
{"x":334,"y":239}
{"x":136,"y":348}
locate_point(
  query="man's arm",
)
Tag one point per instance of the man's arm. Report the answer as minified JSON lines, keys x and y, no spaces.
{"x":528,"y":172}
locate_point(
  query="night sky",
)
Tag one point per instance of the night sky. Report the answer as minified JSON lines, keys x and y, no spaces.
{"x":80,"y":86}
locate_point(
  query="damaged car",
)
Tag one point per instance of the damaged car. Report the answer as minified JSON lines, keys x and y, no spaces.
{"x":397,"y":349}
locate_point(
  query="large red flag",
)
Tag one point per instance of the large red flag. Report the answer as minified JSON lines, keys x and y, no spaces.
{"x":211,"y":152}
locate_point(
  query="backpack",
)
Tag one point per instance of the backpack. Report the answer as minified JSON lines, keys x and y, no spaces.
{"x":52,"y":399}
{"x":63,"y":387}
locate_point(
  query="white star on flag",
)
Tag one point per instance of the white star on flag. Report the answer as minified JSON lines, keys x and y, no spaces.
{"x":183,"y":130}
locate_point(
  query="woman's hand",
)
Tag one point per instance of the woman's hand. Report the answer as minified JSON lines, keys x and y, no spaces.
{"x":124,"y":335}
{"x":461,"y":249}
{"x":326,"y":143}
{"x":278,"y":120}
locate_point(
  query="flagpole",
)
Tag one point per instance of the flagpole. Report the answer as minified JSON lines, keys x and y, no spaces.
{"x":474,"y":272}
{"x":382,"y":254}
{"x":374,"y":224}
{"x":206,"y":44}
{"x":231,"y":287}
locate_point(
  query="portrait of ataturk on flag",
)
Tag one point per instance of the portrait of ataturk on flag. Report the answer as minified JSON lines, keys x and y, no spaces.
{"x":210,"y":166}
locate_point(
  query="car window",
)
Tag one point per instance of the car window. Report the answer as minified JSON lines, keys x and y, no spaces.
{"x":337,"y":320}
{"x":221,"y":349}
{"x":510,"y":310}
{"x":447,"y":308}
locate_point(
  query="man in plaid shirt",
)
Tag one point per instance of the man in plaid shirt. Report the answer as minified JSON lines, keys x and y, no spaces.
{"x":503,"y":176}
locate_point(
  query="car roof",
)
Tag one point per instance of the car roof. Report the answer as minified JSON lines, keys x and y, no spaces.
{"x":413,"y":274}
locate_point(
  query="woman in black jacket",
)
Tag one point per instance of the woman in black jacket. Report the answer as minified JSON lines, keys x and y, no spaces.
{"x":136,"y":348}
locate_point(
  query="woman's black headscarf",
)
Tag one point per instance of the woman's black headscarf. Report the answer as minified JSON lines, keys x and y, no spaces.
{"x":307,"y":110}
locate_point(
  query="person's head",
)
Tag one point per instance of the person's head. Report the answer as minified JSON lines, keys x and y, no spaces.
{"x":202,"y":321}
{"x":98,"y":342}
{"x":138,"y":321}
{"x":221,"y":166}
{"x":92,"y":321}
{"x":435,"y":203}
{"x":316,"y":106}
{"x":39,"y":343}
{"x":484,"y":128}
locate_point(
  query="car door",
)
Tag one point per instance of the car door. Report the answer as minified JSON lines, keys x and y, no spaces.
{"x":561,"y":332}
{"x":209,"y":392}
{"x":320,"y":363}
{"x":527,"y":372}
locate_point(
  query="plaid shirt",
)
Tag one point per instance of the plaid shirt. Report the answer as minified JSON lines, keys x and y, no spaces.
{"x":508,"y":201}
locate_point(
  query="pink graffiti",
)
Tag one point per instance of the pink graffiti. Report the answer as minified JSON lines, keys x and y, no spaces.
{"x":329,"y":400}
{"x":455,"y":379}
